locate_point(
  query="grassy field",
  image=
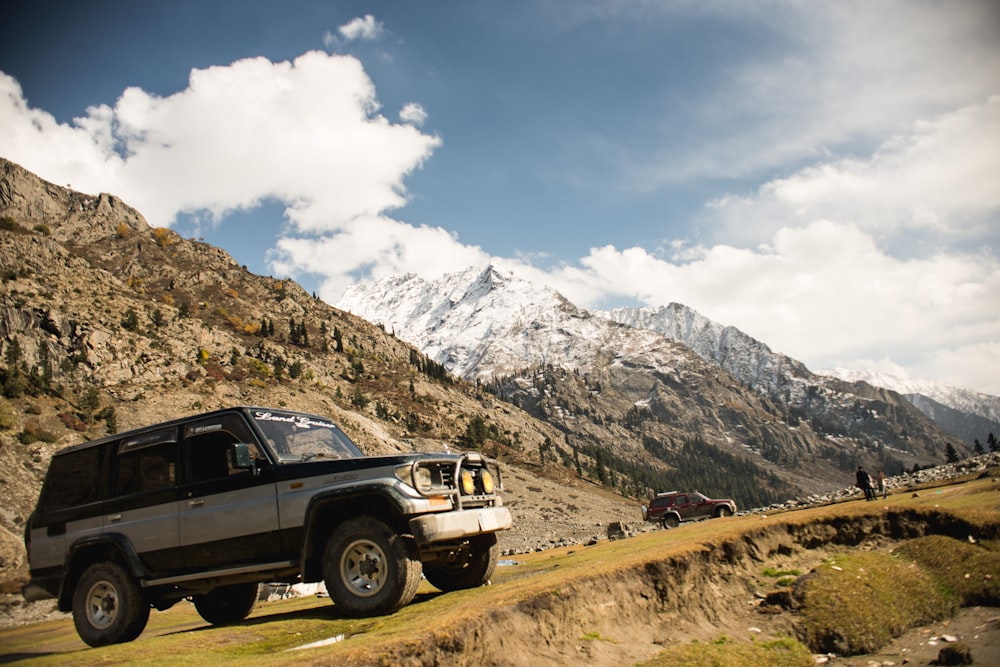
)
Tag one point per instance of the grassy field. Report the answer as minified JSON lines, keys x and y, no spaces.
{"x":854,"y":599}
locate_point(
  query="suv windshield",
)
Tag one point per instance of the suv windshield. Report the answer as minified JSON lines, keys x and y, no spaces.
{"x":294,"y":436}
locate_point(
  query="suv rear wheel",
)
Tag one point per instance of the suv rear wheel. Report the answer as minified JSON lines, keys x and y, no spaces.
{"x":472,"y":565}
{"x":108,"y":607}
{"x":368,"y":569}
{"x":226,"y":604}
{"x":671,"y":521}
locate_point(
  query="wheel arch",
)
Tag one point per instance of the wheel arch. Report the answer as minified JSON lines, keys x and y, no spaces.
{"x":84,"y":553}
{"x":326,"y":511}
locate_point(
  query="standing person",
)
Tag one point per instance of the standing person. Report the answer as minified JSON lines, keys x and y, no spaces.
{"x":880,"y":480}
{"x":865,"y":483}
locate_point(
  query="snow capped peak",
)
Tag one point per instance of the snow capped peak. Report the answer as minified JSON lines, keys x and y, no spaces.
{"x":481,"y":322}
{"x":966,"y":400}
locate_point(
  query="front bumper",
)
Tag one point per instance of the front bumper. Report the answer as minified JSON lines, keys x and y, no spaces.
{"x":456,"y":525}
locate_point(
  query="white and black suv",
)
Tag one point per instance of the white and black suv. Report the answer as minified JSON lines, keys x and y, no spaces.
{"x":208,"y":507}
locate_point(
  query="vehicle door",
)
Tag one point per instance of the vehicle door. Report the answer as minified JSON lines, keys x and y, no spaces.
{"x":142,"y":505}
{"x":682,"y":506}
{"x":700,"y":507}
{"x":228,"y":514}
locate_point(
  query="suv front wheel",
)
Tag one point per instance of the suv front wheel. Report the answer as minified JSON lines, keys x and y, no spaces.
{"x":108,"y":607}
{"x":368,"y":569}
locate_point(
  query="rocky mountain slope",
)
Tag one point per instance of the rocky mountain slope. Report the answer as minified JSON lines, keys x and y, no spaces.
{"x":658,"y":398}
{"x":107,"y":324}
{"x":963,"y":413}
{"x":970,"y":415}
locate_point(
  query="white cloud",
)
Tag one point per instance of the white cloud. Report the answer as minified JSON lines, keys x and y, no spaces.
{"x":940,"y":177}
{"x":413,"y":113}
{"x":376,"y":246}
{"x":305,"y":132}
{"x":366,"y":28}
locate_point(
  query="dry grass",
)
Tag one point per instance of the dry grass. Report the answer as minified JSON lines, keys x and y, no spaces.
{"x":784,"y":652}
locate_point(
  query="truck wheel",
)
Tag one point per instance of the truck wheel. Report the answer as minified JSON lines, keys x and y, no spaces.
{"x":226,"y":604}
{"x":723,"y":511}
{"x":670,"y":521}
{"x":108,"y":607}
{"x":368,"y":569}
{"x":471,"y":566}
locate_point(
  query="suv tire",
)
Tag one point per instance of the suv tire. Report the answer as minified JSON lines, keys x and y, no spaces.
{"x":108,"y":607}
{"x":368,"y":569}
{"x":472,"y":567}
{"x":226,"y":604}
{"x":723,"y":511}
{"x":671,"y":521}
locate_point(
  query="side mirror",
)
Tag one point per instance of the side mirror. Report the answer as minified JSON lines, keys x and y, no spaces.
{"x":242,"y":459}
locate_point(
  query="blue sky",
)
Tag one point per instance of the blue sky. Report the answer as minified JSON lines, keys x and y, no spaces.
{"x":823,"y":176}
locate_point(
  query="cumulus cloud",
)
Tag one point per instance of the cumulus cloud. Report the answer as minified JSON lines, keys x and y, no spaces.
{"x":305,"y":132}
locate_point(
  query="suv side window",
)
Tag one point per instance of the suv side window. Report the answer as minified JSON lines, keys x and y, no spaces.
{"x":147,"y":463}
{"x":209,"y":448}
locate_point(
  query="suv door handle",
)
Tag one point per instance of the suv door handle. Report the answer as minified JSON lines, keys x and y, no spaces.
{"x":115,"y":517}
{"x":196,"y":502}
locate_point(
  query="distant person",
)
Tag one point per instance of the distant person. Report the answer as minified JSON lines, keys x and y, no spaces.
{"x":865,"y":483}
{"x":880,"y":481}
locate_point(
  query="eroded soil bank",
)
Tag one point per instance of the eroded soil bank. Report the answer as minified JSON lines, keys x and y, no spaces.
{"x":710,"y":591}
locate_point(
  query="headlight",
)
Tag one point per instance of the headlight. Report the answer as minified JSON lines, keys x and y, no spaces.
{"x":487,"y":480}
{"x":422,"y":478}
{"x":405,"y":475}
{"x":468,"y":482}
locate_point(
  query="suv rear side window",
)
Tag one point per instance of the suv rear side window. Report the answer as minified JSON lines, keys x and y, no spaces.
{"x":73,"y":479}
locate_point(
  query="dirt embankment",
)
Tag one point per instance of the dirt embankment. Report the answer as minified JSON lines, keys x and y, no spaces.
{"x":627,"y":616}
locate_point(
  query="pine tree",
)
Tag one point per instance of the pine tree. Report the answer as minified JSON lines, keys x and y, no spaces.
{"x":950,"y":453}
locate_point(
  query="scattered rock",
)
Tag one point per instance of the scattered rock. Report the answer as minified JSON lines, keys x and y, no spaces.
{"x":954,"y":654}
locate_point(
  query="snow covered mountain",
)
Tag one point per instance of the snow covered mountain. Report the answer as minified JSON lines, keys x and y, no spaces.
{"x":745,"y":358}
{"x":643,"y":381}
{"x":483,"y":323}
{"x":967,"y":414}
{"x":971,"y":415}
